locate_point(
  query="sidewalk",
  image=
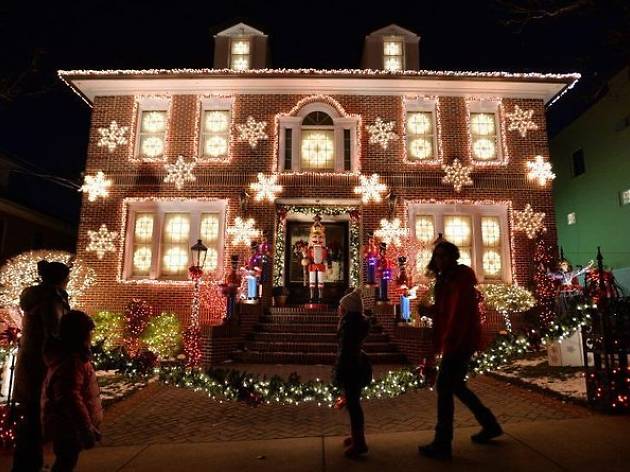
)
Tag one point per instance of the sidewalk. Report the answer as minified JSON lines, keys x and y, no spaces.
{"x":596,"y":443}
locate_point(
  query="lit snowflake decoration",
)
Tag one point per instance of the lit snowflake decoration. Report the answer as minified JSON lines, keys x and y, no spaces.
{"x":457,"y":175}
{"x":243,"y":231}
{"x":529,"y":221}
{"x":390,"y":232}
{"x":266,"y":187}
{"x":381,"y":132}
{"x":521,"y":121}
{"x":180,"y":172}
{"x":96,"y":186}
{"x":112,"y":136}
{"x":371,"y":188}
{"x":252,"y":131}
{"x":101,"y":241}
{"x":539,"y":170}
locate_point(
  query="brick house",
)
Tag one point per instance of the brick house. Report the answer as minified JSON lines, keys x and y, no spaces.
{"x":318,"y":131}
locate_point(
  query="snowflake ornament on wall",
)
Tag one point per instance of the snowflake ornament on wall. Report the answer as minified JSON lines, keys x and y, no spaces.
{"x":96,"y":186}
{"x":457,"y":175}
{"x":390,"y":232}
{"x":101,"y":241}
{"x":180,"y":172}
{"x":521,"y":121}
{"x":112,"y":136}
{"x":539,"y":170}
{"x":266,"y":187}
{"x":252,"y":131}
{"x":529,"y":221}
{"x":370,"y":188}
{"x":243,"y":231}
{"x":381,"y":132}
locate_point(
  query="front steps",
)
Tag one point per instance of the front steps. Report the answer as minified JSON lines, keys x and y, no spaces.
{"x":301,"y":336}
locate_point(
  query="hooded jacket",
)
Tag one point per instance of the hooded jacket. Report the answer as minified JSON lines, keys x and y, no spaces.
{"x":43,"y":306}
{"x":352,"y":365}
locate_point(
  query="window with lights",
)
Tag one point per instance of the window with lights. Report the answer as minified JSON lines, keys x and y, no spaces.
{"x":421,"y":130}
{"x":160,"y":234}
{"x":479,"y":231}
{"x":214,"y":128}
{"x":393,"y":53}
{"x":151,"y":129}
{"x":240,"y":53}
{"x":485,"y":131}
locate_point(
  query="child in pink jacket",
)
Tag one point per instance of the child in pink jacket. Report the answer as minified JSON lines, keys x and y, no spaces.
{"x":71,"y":404}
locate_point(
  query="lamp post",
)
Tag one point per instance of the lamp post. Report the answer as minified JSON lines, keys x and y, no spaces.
{"x":198,"y":253}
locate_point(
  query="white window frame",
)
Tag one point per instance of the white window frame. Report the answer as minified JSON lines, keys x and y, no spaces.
{"x":476,"y":212}
{"x":399,"y":39}
{"x":491,"y":107}
{"x":340,"y":123}
{"x":251,"y":45}
{"x":214,"y":104}
{"x":152,"y":104}
{"x":160,"y":208}
{"x":424,"y":105}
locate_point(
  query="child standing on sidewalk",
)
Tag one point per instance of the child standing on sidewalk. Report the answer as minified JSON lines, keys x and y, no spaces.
{"x":71,"y":404}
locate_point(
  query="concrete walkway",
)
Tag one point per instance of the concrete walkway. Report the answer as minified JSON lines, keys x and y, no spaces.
{"x":596,"y":443}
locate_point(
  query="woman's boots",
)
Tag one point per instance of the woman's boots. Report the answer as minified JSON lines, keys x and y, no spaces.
{"x":356,"y":444}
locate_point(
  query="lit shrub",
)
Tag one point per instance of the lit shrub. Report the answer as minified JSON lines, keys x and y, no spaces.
{"x":162,"y":335}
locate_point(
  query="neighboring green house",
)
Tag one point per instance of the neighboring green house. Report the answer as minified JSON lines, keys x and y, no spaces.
{"x":591,"y":159}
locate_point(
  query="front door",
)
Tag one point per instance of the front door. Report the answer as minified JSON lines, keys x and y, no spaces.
{"x":336,"y":275}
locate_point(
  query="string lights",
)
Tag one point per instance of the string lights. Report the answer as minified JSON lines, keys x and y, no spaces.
{"x":96,"y":186}
{"x":243,"y":231}
{"x":101,"y":241}
{"x":180,"y":172}
{"x":381,"y":132}
{"x":112,"y":136}
{"x":370,"y":188}
{"x":521,"y":121}
{"x":529,"y":221}
{"x":457,"y":175}
{"x":266,"y":187}
{"x":391,"y":232}
{"x":252,"y":131}
{"x":539,"y":170}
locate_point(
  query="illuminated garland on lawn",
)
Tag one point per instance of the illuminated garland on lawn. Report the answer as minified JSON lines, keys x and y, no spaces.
{"x":354,"y":242}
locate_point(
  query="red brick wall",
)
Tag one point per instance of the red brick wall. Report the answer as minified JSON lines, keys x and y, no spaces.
{"x":227,"y":180}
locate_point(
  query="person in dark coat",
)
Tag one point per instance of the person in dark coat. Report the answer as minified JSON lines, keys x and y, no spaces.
{"x":353,"y":370}
{"x":70,"y":400}
{"x":456,"y":336}
{"x":42,"y":305}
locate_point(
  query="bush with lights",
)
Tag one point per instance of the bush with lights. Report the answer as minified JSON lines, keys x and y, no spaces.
{"x":109,"y":330}
{"x":162,"y":336}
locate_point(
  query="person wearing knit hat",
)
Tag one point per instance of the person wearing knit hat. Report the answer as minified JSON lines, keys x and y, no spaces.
{"x":353,"y":369}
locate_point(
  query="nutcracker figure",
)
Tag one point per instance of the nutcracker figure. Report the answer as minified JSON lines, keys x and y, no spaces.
{"x":404,"y":282}
{"x":253,"y":271}
{"x":318,"y":260}
{"x":265,"y":259}
{"x":230,"y":287}
{"x":371,"y":257}
{"x":384,"y":274}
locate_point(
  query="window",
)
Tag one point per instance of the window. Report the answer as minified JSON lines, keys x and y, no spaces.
{"x":151,"y":129}
{"x":240,"y":53}
{"x":317,"y":139}
{"x":214,"y":128}
{"x":624,"y":197}
{"x":393,"y":53}
{"x":160,"y":234}
{"x":579,"y":166}
{"x":421,"y":130}
{"x":484,"y":131}
{"x":479,"y":231}
{"x":571,"y":218}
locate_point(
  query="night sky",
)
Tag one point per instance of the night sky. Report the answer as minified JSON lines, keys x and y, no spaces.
{"x":46,"y":125}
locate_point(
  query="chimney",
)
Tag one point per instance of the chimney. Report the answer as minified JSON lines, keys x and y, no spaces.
{"x":391,"y":48}
{"x":240,"y":47}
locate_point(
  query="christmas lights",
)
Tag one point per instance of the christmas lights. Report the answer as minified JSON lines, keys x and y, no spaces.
{"x":101,"y":241}
{"x":112,"y":136}
{"x":437,"y":135}
{"x":521,"y":121}
{"x":457,"y":175}
{"x":370,"y":188}
{"x":243,"y":231}
{"x":137,"y":315}
{"x":529,"y":221}
{"x":20,"y":272}
{"x":487,"y":134}
{"x":162,"y":335}
{"x":381,"y":132}
{"x":96,"y":186}
{"x":252,"y":131}
{"x":390,"y":232}
{"x":544,"y":287}
{"x":539,"y":170}
{"x":180,"y":172}
{"x":266,"y":187}
{"x":109,"y":330}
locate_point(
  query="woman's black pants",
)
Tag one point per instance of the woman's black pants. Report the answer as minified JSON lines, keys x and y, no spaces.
{"x":353,"y":404}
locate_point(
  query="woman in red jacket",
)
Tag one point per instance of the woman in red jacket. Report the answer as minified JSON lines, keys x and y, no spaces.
{"x":456,"y":336}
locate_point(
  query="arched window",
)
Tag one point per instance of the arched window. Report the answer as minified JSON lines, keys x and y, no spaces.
{"x":318,"y":138}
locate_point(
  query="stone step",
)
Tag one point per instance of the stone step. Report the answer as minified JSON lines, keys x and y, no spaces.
{"x":301,"y":318}
{"x":296,"y":328}
{"x":299,"y":310}
{"x":297,"y":347}
{"x":258,"y":357}
{"x":300,"y":336}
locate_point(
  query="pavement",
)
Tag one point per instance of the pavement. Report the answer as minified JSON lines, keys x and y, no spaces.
{"x":167,"y":429}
